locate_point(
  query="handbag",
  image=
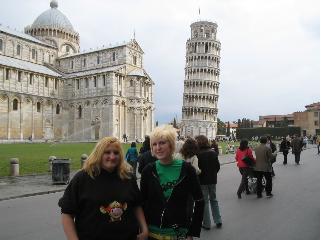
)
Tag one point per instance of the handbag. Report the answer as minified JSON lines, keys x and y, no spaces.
{"x":247,"y":160}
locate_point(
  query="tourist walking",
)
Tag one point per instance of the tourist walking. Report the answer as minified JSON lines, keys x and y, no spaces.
{"x":271,"y":145}
{"x":285,"y":145}
{"x":188,"y":153}
{"x":317,"y":142}
{"x":296,"y":145}
{"x":131,"y":157}
{"x":166,"y":186}
{"x":146,"y":145}
{"x":245,"y":167}
{"x":263,"y":167}
{"x":214,"y":146}
{"x":103,"y":201}
{"x":209,"y":166}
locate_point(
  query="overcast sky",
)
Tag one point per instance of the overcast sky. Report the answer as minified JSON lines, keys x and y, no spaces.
{"x":270,"y":55}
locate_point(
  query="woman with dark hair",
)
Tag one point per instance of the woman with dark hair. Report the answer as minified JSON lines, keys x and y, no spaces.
{"x":209,"y":166}
{"x":214,"y":146}
{"x":189,"y":151}
{"x":131,"y":157}
{"x":146,"y":145}
{"x":242,"y":152}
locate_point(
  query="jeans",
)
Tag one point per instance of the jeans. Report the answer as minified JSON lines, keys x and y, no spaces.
{"x":268,"y":178}
{"x":134,"y":166}
{"x":297,"y":157}
{"x":209,"y":193}
{"x":244,"y":183}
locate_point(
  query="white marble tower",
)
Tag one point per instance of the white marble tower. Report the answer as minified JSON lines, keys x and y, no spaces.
{"x":201,"y":84}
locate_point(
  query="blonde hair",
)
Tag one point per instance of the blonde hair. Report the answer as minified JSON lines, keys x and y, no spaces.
{"x":92,"y":165}
{"x":165,"y":132}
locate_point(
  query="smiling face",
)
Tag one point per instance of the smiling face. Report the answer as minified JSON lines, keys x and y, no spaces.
{"x":161,"y":148}
{"x":111,"y":158}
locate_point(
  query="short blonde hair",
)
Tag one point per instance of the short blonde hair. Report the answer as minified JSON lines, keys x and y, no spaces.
{"x":165,"y":132}
{"x":92,"y":165}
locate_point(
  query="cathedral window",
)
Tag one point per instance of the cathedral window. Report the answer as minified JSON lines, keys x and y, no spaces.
{"x":98,"y":60}
{"x":56,"y":84}
{"x":131,"y":83}
{"x":87,"y":83}
{"x":67,"y":49}
{"x":57,"y":109}
{"x":72,"y":64}
{"x":84,"y":62}
{"x":1,"y":44}
{"x":7,"y":74}
{"x":34,"y":54}
{"x":38,"y":106}
{"x":19,"y":76}
{"x":114,"y":56}
{"x":15,"y":105}
{"x":77,"y":82}
{"x":104,"y":80}
{"x":79,"y":112}
{"x":95,"y":81}
{"x":30,"y":78}
{"x":18,"y":49}
{"x":134,"y":60}
{"x":46,"y":81}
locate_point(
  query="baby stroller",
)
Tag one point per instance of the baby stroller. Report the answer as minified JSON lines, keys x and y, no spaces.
{"x":252,"y":182}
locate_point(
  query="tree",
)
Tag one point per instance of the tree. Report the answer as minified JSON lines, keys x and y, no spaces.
{"x":174,"y":123}
{"x":156,"y":123}
{"x":239,"y":124}
{"x":228,"y":130}
{"x":221,"y":129}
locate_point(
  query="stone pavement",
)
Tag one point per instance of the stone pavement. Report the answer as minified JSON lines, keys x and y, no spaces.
{"x":31,"y":185}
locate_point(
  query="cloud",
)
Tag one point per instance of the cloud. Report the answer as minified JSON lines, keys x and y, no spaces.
{"x":270,"y":49}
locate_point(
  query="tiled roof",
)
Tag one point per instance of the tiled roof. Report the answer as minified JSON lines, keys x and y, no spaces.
{"x":22,"y":35}
{"x":28,"y":66}
{"x":137,"y":72}
{"x":94,"y":71}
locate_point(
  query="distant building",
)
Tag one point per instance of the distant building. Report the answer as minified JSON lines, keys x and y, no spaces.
{"x":275,"y":121}
{"x":309,"y":120}
{"x":233,"y":127}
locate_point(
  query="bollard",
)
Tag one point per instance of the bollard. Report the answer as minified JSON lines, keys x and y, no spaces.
{"x":83,"y":159}
{"x":14,"y":167}
{"x":220,"y":150}
{"x":50,"y":159}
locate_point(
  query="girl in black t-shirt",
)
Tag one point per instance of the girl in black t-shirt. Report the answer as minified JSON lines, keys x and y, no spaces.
{"x":103,"y":201}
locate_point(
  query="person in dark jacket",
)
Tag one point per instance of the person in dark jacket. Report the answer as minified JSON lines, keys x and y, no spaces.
{"x":166,"y":186}
{"x":285,"y":145}
{"x":145,"y":157}
{"x":297,"y":145}
{"x":103,"y":201}
{"x":209,"y":166}
{"x":131,"y":157}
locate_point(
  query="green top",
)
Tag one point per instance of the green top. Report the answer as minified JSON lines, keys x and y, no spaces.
{"x":168,"y":177}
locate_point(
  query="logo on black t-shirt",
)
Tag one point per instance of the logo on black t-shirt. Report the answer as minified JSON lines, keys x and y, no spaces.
{"x":115,"y":210}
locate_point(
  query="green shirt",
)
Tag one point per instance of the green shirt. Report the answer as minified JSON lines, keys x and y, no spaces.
{"x":168,"y":175}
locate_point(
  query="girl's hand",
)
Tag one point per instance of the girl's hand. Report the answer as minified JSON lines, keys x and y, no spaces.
{"x":142,"y":236}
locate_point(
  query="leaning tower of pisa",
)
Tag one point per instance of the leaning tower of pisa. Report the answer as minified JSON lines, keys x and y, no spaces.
{"x":199,"y":111}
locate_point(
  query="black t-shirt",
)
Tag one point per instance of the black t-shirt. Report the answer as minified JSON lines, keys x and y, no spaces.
{"x":103,"y":207}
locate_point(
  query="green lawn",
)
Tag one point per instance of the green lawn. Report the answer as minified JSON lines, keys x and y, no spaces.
{"x":33,"y":157}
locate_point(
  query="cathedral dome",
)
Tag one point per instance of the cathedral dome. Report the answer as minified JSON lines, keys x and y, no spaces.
{"x":53,"y":18}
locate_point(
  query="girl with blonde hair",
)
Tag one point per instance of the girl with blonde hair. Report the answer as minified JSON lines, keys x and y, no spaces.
{"x":103,"y":201}
{"x":166,"y":186}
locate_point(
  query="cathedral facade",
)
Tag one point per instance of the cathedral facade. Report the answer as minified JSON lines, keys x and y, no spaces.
{"x":51,"y":91}
{"x":201,"y":84}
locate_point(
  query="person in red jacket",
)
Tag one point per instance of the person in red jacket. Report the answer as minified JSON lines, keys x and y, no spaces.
{"x":242,"y":152}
